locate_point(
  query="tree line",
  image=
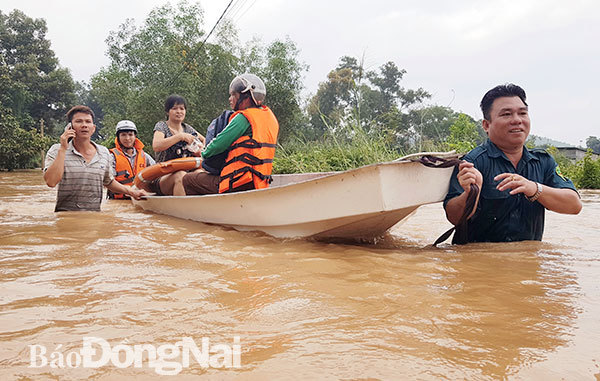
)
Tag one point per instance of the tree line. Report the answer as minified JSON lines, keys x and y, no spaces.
{"x":356,"y":116}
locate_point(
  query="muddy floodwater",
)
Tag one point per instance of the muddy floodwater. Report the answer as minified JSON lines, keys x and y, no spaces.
{"x":288,"y":309}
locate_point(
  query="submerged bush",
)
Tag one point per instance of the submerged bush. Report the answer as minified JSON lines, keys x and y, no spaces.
{"x":585,"y":173}
{"x":20,"y":148}
{"x":590,"y":172}
{"x":333,"y":153}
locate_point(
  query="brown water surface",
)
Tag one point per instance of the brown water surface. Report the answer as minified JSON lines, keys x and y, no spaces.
{"x":398,"y":309}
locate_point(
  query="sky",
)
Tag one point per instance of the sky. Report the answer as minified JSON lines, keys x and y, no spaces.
{"x":456,"y":50}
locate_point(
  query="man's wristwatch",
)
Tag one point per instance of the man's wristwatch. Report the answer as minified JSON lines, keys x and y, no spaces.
{"x":537,"y":193}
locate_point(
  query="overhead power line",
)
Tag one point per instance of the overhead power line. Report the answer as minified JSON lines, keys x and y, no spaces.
{"x":236,"y":8}
{"x":247,"y":9}
{"x":201,"y":44}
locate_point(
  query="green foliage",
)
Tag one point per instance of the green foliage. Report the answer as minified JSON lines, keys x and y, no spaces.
{"x":585,"y":173}
{"x":590,"y":172}
{"x":593,"y":143}
{"x":19,"y":148}
{"x":336,"y":151}
{"x":429,"y":125}
{"x":330,"y":155}
{"x":34,"y":87}
{"x":530,"y":142}
{"x":567,"y":168}
{"x":356,"y":117}
{"x":463,"y":134}
{"x":166,"y":56}
{"x":278,"y":66}
{"x":373,"y":99}
{"x":328,"y":106}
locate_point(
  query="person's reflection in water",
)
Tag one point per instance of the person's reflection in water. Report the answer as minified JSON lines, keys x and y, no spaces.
{"x":498,"y":322}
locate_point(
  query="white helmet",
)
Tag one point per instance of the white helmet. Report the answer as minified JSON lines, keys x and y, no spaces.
{"x":249,"y":82}
{"x":126,"y":125}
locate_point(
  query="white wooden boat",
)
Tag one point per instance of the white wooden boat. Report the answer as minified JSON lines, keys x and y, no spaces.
{"x":362,"y":203}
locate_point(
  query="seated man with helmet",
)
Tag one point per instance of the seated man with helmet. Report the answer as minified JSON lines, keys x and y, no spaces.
{"x":241,"y":156}
{"x":128,"y":157}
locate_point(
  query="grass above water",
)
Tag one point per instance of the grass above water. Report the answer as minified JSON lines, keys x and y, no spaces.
{"x":332,"y":154}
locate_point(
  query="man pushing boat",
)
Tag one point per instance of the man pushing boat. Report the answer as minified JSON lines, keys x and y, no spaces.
{"x":515,"y":184}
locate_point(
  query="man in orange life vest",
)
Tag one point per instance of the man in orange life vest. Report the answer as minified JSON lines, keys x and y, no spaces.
{"x":128,"y":157}
{"x":249,"y":141}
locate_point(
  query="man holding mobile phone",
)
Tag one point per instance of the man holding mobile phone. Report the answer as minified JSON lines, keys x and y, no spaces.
{"x":81,"y":167}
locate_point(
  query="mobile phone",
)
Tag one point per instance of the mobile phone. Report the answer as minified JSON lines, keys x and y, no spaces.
{"x":69,"y":127}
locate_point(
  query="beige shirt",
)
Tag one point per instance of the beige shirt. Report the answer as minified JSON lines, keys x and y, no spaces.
{"x":81,"y":185}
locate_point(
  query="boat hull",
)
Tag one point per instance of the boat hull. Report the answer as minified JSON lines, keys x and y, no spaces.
{"x":362,"y":203}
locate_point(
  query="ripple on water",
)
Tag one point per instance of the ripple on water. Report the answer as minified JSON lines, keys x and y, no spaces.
{"x":398,"y":309}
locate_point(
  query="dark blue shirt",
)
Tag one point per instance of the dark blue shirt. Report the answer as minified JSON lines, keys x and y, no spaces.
{"x":215,"y":164}
{"x":500,"y":216}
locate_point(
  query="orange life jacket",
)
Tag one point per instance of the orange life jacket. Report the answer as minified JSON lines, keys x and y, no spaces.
{"x":125,"y":174}
{"x":250,"y":159}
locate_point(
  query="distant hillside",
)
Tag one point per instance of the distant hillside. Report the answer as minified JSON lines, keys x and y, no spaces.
{"x":541,"y":141}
